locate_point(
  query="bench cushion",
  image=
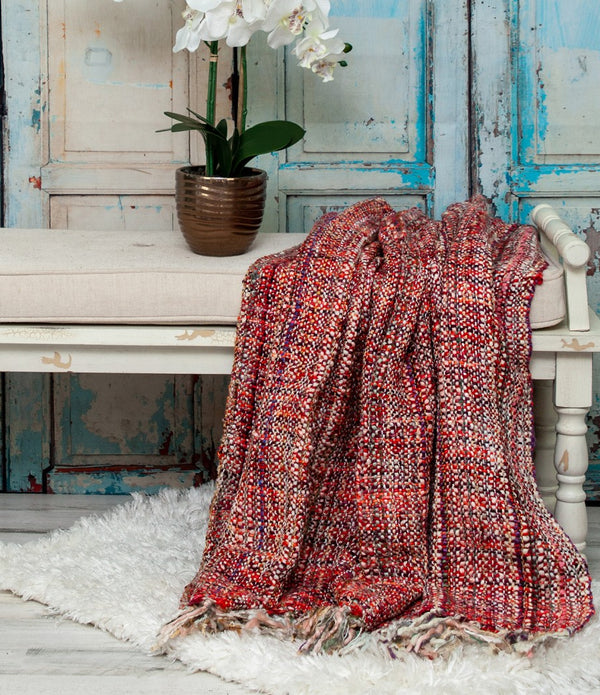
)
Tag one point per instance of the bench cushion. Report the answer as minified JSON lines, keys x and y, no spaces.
{"x":548,"y":306}
{"x":70,"y":276}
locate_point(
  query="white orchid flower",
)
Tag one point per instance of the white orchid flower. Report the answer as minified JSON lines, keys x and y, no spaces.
{"x":216,"y":20}
{"x":204,"y":5}
{"x":254,"y":10}
{"x":240,"y":27}
{"x":319,"y":8}
{"x":240,"y":30}
{"x":225,"y":21}
{"x":317,"y":47}
{"x":324,"y":68}
{"x":317,"y":43}
{"x":284,"y":21}
{"x":189,"y":35}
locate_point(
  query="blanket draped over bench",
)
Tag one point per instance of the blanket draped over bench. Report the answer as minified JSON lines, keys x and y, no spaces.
{"x":376,"y":465}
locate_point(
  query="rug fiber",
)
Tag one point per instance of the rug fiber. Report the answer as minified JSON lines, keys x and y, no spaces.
{"x":124,"y":572}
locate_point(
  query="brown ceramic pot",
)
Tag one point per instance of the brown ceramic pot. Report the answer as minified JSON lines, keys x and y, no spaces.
{"x":219,"y":216}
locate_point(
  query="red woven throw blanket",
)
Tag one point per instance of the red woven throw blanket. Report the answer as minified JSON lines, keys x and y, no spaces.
{"x":376,"y":466}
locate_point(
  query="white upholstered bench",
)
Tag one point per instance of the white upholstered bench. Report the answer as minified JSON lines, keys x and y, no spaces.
{"x":141,"y":302}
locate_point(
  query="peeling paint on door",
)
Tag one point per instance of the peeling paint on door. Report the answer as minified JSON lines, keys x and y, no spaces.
{"x":535,"y":68}
{"x":592,"y":239}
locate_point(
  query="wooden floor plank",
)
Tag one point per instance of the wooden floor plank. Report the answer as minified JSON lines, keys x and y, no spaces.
{"x":138,"y":684}
{"x":44,"y":653}
{"x":26,"y":513}
{"x":83,"y":503}
{"x":8,"y":536}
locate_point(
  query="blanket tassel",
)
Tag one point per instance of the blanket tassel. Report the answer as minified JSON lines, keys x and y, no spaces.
{"x":334,"y":629}
{"x":207,"y":618}
{"x":434,"y":634}
{"x":326,"y":629}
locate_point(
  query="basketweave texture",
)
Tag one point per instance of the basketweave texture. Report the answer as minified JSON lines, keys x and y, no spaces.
{"x":376,"y":462}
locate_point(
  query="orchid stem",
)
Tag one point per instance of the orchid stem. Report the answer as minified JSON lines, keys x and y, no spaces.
{"x":244,"y":76}
{"x":235,"y":88}
{"x":211,"y":99}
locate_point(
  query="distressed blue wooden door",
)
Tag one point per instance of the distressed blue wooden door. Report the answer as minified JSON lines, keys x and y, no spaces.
{"x":393,"y":123}
{"x":86,"y":84}
{"x":536,"y":66}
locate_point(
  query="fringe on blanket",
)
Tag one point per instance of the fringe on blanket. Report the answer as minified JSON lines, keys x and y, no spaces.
{"x":334,"y":629}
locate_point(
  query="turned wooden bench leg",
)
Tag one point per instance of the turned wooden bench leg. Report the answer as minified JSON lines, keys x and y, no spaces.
{"x":572,"y":399}
{"x":545,"y":440}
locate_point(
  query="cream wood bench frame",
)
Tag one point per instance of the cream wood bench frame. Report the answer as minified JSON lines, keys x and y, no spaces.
{"x":561,"y":366}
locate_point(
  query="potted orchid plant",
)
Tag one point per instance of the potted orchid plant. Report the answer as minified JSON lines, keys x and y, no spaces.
{"x":229,"y":144}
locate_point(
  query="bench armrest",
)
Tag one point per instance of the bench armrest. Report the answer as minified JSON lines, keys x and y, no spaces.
{"x":575,"y":254}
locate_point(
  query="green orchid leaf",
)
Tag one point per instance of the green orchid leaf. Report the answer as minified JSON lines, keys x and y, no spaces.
{"x":270,"y":136}
{"x":222,"y":127}
{"x":181,"y":127}
{"x":221,"y":155}
{"x":215,"y":139}
{"x":181,"y":118}
{"x":230,"y":156}
{"x":198,"y":116}
{"x":219,"y":147}
{"x":221,"y":150}
{"x":187,"y":123}
{"x":234,"y":142}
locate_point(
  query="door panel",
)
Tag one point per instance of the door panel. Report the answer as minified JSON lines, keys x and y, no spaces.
{"x":391,"y":124}
{"x":540,"y":137}
{"x":25,"y":105}
{"x":112,"y":212}
{"x":558,"y":82}
{"x":353,"y":117}
{"x":109,"y":88}
{"x":114,"y":434}
{"x":305,"y":210}
{"x":536,"y":109}
{"x":27,"y":421}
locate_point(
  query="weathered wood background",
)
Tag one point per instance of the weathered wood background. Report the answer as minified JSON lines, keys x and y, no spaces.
{"x":441,"y":98}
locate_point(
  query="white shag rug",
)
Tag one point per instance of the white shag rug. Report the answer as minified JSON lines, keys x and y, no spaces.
{"x":124,"y":572}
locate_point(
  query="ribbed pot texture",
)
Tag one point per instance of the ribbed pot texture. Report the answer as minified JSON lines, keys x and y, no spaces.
{"x":219,"y":216}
